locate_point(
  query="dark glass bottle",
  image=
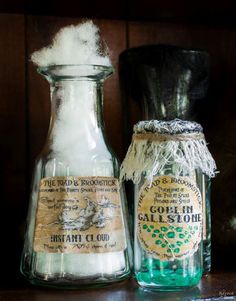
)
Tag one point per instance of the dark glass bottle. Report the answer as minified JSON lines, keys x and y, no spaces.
{"x":166,"y":82}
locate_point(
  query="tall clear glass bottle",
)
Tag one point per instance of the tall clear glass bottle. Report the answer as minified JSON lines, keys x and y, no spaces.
{"x":77,"y":231}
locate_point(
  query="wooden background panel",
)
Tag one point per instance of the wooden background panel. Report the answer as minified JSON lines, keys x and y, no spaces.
{"x":25,"y":111}
{"x":201,"y":11}
{"x":75,"y":8}
{"x":114,"y":32}
{"x":40,"y":30}
{"x":12,"y":141}
{"x":216,"y":114}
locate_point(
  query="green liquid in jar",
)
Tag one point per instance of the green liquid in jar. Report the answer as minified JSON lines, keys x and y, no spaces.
{"x":168,"y":276}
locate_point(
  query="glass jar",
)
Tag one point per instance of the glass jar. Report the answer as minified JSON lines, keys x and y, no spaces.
{"x":77,"y":231}
{"x":167,"y":82}
{"x":204,"y":183}
{"x":168,"y":161}
{"x":159,"y":261}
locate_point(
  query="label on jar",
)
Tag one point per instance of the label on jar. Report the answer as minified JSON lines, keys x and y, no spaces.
{"x":169,"y":217}
{"x":79,"y":215}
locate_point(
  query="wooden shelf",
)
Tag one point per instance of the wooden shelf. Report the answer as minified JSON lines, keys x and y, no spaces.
{"x":217,"y":284}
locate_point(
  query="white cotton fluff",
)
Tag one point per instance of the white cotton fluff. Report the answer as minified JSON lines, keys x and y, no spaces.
{"x":74,"y":44}
{"x":76,"y":142}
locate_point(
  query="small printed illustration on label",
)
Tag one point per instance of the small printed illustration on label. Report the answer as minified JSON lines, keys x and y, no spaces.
{"x":79,"y":215}
{"x":169,"y":217}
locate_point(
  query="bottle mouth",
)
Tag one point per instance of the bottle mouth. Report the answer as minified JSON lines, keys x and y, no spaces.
{"x":77,"y":72}
{"x":167,"y":127}
{"x":160,"y":49}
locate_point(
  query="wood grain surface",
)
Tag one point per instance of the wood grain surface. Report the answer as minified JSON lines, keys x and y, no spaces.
{"x":217,"y":285}
{"x":201,"y":11}
{"x":12,"y":140}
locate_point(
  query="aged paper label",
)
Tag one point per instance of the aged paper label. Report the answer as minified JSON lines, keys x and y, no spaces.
{"x":79,"y":215}
{"x":169,"y":217}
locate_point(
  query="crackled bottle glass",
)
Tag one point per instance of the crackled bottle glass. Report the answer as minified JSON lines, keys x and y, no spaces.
{"x":77,"y":227}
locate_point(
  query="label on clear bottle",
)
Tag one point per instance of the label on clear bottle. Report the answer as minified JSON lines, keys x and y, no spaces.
{"x":169,"y":217}
{"x":79,"y":215}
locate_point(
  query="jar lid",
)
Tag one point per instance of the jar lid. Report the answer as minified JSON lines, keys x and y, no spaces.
{"x":172,"y":127}
{"x":157,"y":145}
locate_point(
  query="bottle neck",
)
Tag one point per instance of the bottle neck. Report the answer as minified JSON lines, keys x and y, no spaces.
{"x":76,"y":115}
{"x":167,"y":99}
